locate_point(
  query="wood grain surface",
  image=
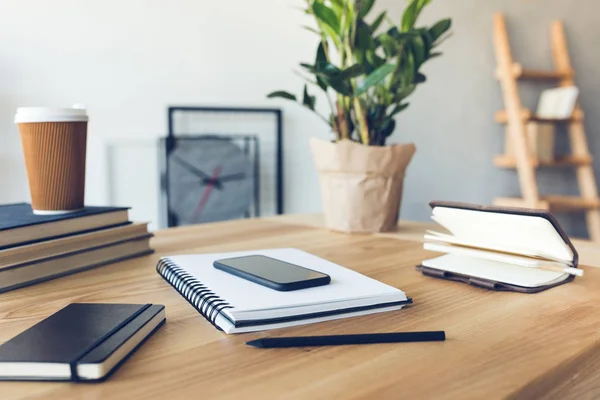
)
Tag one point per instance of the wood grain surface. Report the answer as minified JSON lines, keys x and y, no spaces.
{"x":500,"y":345}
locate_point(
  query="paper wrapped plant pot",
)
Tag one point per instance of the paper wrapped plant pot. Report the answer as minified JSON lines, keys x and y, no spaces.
{"x":361,"y":186}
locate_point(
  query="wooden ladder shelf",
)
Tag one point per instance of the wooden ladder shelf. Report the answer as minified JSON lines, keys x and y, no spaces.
{"x":517,"y":119}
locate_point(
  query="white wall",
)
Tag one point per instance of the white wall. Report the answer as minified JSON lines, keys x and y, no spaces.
{"x":129,"y":59}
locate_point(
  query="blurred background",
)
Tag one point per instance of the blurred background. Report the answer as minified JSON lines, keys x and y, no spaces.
{"x":128,"y":61}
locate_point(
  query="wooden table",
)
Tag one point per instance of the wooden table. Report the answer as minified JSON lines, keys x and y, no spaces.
{"x":500,"y":345}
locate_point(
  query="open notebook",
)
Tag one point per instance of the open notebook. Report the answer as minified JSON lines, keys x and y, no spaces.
{"x":236,"y":305}
{"x":499,"y":248}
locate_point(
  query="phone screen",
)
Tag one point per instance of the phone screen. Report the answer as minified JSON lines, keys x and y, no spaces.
{"x":272,"y":269}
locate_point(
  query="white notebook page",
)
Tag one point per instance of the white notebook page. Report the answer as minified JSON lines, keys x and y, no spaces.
{"x":496,"y":271}
{"x":506,"y":231}
{"x":244,"y":295}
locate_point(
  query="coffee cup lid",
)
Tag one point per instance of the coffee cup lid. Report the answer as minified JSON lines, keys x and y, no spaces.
{"x":50,"y":114}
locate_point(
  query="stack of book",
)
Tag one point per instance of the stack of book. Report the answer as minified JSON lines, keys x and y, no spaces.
{"x":35,"y":248}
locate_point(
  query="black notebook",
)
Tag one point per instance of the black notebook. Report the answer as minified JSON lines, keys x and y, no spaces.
{"x":81,"y":342}
{"x":19,"y":225}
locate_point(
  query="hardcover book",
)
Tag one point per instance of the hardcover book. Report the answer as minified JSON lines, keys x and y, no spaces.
{"x":32,"y":272}
{"x":19,"y":225}
{"x":81,"y":342}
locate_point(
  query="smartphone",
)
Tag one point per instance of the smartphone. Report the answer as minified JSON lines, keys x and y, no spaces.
{"x":275,"y":274}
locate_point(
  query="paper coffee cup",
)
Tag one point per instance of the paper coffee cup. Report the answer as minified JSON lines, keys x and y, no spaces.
{"x":54,"y":145}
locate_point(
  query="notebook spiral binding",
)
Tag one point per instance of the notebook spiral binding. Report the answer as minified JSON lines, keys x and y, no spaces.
{"x":197,"y":294}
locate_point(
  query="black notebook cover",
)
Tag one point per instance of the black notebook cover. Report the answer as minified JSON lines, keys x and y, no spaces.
{"x":79,"y":333}
{"x":20,"y":215}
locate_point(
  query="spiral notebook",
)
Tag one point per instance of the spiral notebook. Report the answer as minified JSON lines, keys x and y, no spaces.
{"x":235,"y":305}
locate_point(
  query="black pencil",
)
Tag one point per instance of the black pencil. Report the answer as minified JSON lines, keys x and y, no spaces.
{"x":339,"y":340}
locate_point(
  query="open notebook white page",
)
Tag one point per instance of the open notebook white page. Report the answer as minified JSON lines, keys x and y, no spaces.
{"x":495,"y":271}
{"x":250,"y":301}
{"x":527,"y":235}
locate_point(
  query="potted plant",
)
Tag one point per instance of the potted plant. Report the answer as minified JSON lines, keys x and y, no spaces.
{"x":369,"y":68}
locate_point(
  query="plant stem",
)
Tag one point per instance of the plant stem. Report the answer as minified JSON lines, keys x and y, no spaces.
{"x":358,"y":109}
{"x":322,"y":117}
{"x":336,"y":123}
{"x":342,"y":123}
{"x":396,"y":68}
{"x":362,"y":122}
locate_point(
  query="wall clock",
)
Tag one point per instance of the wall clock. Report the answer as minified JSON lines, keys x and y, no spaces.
{"x":266,"y":124}
{"x":207,"y":178}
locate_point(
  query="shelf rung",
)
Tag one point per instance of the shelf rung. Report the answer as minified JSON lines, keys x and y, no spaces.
{"x":571,"y":203}
{"x":523,"y":73}
{"x":552,"y":203}
{"x":519,"y":202}
{"x":501,"y":117}
{"x":504,"y":161}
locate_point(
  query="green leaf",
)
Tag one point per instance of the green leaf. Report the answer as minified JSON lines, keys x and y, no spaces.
{"x":329,"y":75}
{"x":439,"y":28}
{"x":386,"y":96}
{"x":353,"y":71}
{"x":311,"y":29}
{"x":409,"y":67}
{"x":321,"y":59}
{"x":427,"y":41}
{"x":404,"y":93}
{"x":327,"y":16}
{"x":418,"y":47}
{"x":338,"y":7}
{"x":363,"y":7}
{"x":389,"y":45}
{"x":282,"y":94}
{"x":402,"y":37}
{"x":339,"y":85}
{"x":388,"y":127}
{"x":394,"y":32}
{"x":359,"y":54}
{"x":375,"y":114}
{"x":410,"y":16}
{"x":332,"y":34}
{"x":398,"y":108}
{"x":320,"y":63}
{"x":412,"y":12}
{"x":421,"y":4}
{"x":364,"y":39}
{"x":374,"y":59}
{"x":308,"y":67}
{"x":329,"y":70}
{"x":420,"y":78}
{"x":375,"y":25}
{"x":435,"y":54}
{"x":308,"y":100}
{"x":442,"y":39}
{"x":322,"y":84}
{"x":375,"y":78}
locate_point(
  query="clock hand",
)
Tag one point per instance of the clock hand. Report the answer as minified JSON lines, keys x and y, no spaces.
{"x":207,"y":190}
{"x":217,"y":182}
{"x":232,"y":177}
{"x":191,"y":168}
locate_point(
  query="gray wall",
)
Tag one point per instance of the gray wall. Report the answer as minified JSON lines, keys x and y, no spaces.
{"x":189,"y":52}
{"x":451,"y":116}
